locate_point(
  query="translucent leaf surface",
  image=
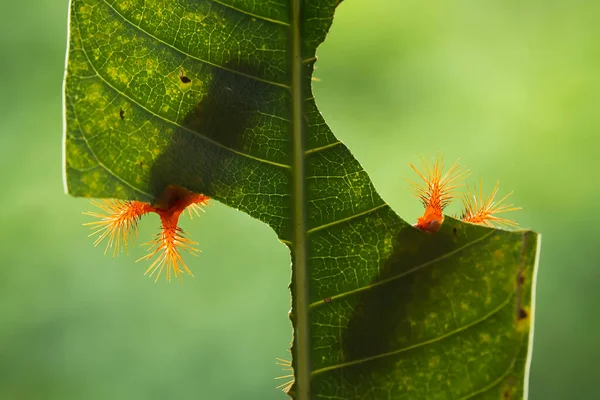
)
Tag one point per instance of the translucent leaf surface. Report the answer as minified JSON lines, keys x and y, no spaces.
{"x":215,"y":96}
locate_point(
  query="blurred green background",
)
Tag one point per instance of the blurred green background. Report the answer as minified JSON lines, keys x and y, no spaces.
{"x":512,"y":87}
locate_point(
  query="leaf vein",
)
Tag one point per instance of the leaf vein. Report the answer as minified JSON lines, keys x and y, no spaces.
{"x":172,"y":46}
{"x":497,"y":381}
{"x":136,"y":102}
{"x":410,"y":271}
{"x":417,"y":345}
{"x":275,"y":21}
{"x":339,"y":221}
{"x":321,"y":148}
{"x":107,"y":169}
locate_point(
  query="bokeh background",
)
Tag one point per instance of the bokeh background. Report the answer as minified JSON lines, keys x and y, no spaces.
{"x":512,"y":87}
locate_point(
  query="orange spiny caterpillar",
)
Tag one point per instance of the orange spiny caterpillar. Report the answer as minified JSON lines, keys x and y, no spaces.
{"x":287,"y":366}
{"x":438,"y":190}
{"x":119,"y":220}
{"x":483,"y":211}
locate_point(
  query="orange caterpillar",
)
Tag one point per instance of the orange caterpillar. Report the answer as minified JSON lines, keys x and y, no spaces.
{"x":440,"y":189}
{"x":119,"y":223}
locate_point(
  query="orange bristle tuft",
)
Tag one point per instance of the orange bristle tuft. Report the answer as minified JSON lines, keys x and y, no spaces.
{"x":438,"y":191}
{"x":198,"y":204}
{"x":286,"y":386}
{"x":483,"y":211}
{"x":166,"y":247}
{"x":118,"y":222}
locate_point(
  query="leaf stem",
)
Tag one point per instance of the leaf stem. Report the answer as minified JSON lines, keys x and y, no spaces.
{"x":299,"y":253}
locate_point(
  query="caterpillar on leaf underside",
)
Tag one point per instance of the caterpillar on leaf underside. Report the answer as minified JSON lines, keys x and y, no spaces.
{"x":436,"y":193}
{"x":118,"y":220}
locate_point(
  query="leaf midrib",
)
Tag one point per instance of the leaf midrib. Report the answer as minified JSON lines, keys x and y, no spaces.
{"x":299,"y":216}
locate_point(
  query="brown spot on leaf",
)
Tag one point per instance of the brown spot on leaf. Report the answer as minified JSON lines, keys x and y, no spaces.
{"x":522,"y":314}
{"x":508,"y":390}
{"x":122,"y":113}
{"x":183,"y":78}
{"x":523,"y":319}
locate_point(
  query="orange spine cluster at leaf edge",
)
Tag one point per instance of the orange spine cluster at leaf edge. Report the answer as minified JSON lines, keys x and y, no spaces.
{"x":440,"y":189}
{"x":119,"y":222}
{"x":483,"y":211}
{"x":437,"y":192}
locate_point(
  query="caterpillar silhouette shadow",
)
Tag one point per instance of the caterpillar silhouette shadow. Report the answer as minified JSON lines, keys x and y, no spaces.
{"x":201,"y":155}
{"x":383,"y":312}
{"x":415,"y":300}
{"x":204,"y":156}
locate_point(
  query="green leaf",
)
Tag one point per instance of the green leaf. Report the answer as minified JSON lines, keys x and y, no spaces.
{"x":215,"y":96}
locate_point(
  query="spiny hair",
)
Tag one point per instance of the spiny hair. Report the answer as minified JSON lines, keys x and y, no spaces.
{"x":437,"y":191}
{"x":118,"y":222}
{"x":439,"y":188}
{"x":166,"y":248}
{"x":287,"y":366}
{"x":483,"y":210}
{"x":119,"y":219}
